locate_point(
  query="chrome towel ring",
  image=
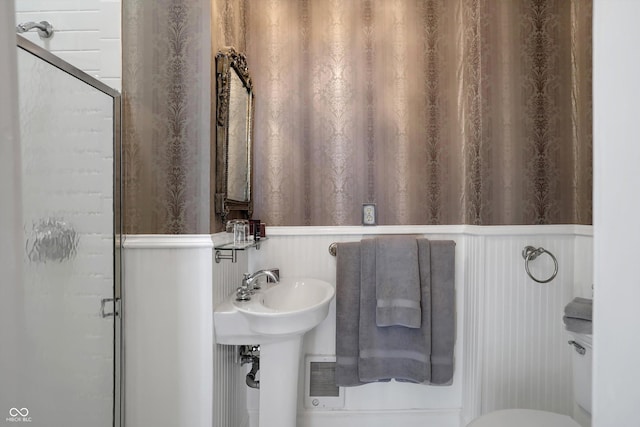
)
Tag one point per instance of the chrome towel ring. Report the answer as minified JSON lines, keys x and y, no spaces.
{"x":530,"y":253}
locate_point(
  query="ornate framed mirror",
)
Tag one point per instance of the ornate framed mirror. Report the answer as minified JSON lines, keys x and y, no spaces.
{"x":234,"y":122}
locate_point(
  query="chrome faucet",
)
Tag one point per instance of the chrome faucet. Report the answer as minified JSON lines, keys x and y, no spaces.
{"x":250,"y":282}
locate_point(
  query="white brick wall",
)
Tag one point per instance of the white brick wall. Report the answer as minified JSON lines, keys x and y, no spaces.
{"x":87,"y":33}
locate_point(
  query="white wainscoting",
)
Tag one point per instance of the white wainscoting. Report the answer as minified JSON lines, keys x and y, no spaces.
{"x":525,"y":356}
{"x":229,"y":388}
{"x":175,"y":373}
{"x":511,"y":349}
{"x":168,"y":330}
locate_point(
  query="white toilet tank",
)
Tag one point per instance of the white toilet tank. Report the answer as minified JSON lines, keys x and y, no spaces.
{"x":582,"y":357}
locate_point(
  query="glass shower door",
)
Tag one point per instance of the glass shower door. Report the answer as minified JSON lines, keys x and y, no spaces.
{"x":69,"y":124}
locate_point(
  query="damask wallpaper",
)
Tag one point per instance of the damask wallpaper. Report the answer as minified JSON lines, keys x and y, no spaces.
{"x":168,"y":98}
{"x":166,"y":113}
{"x":439,"y":111}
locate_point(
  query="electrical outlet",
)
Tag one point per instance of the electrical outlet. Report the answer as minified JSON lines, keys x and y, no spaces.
{"x":369,"y":214}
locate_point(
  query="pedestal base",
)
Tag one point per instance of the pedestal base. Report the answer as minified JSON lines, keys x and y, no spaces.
{"x":279,"y":363}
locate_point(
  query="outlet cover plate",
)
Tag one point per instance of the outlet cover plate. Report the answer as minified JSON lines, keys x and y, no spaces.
{"x":369,"y":214}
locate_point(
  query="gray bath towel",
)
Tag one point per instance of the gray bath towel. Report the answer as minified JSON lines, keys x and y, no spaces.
{"x":397,"y":282}
{"x":579,"y":326}
{"x":347,"y":313}
{"x":579,"y":308}
{"x":367,"y":353}
{"x":443,"y":315}
{"x":386,"y":352}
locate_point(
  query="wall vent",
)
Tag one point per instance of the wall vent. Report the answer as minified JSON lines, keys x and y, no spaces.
{"x":321,"y":391}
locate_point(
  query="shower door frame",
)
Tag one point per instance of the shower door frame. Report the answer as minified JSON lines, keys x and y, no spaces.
{"x":118,"y":350}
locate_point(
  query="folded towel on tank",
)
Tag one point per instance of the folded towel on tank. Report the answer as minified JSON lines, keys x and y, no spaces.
{"x":579,"y":308}
{"x":578,"y":326}
{"x":397,"y":282}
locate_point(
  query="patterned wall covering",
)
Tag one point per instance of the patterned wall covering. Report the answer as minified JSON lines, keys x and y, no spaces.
{"x":440,"y":111}
{"x":229,"y":24}
{"x":166,"y":115}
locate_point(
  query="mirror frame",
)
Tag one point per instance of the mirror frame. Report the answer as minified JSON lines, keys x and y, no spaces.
{"x":228,"y":60}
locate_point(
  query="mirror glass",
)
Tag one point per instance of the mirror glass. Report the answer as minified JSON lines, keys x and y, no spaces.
{"x":238,"y":146}
{"x":233,"y":136}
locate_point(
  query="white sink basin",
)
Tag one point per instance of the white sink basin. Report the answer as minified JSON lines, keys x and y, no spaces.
{"x":278,"y":311}
{"x":275,"y":318}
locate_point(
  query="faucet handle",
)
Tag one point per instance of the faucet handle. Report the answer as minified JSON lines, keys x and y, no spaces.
{"x":243,"y":293}
{"x":255,"y":281}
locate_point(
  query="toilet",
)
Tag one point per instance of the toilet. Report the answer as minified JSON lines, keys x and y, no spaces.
{"x":581,"y":363}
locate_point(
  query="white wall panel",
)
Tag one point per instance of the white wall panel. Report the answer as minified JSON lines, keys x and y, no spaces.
{"x":175,"y":373}
{"x":616,"y":93}
{"x":583,"y":266}
{"x":168,"y":331}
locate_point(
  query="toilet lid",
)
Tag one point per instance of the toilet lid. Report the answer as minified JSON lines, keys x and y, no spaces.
{"x":523,"y":418}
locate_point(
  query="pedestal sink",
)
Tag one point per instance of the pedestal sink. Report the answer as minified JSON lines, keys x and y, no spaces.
{"x":276,"y":318}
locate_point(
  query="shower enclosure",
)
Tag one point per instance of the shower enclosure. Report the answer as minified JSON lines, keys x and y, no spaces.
{"x":70,"y":139}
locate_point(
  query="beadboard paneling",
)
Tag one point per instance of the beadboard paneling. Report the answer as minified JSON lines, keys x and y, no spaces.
{"x":229,"y":388}
{"x":511,"y":349}
{"x":472,"y":335}
{"x":525,"y":358}
{"x":307,"y":255}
